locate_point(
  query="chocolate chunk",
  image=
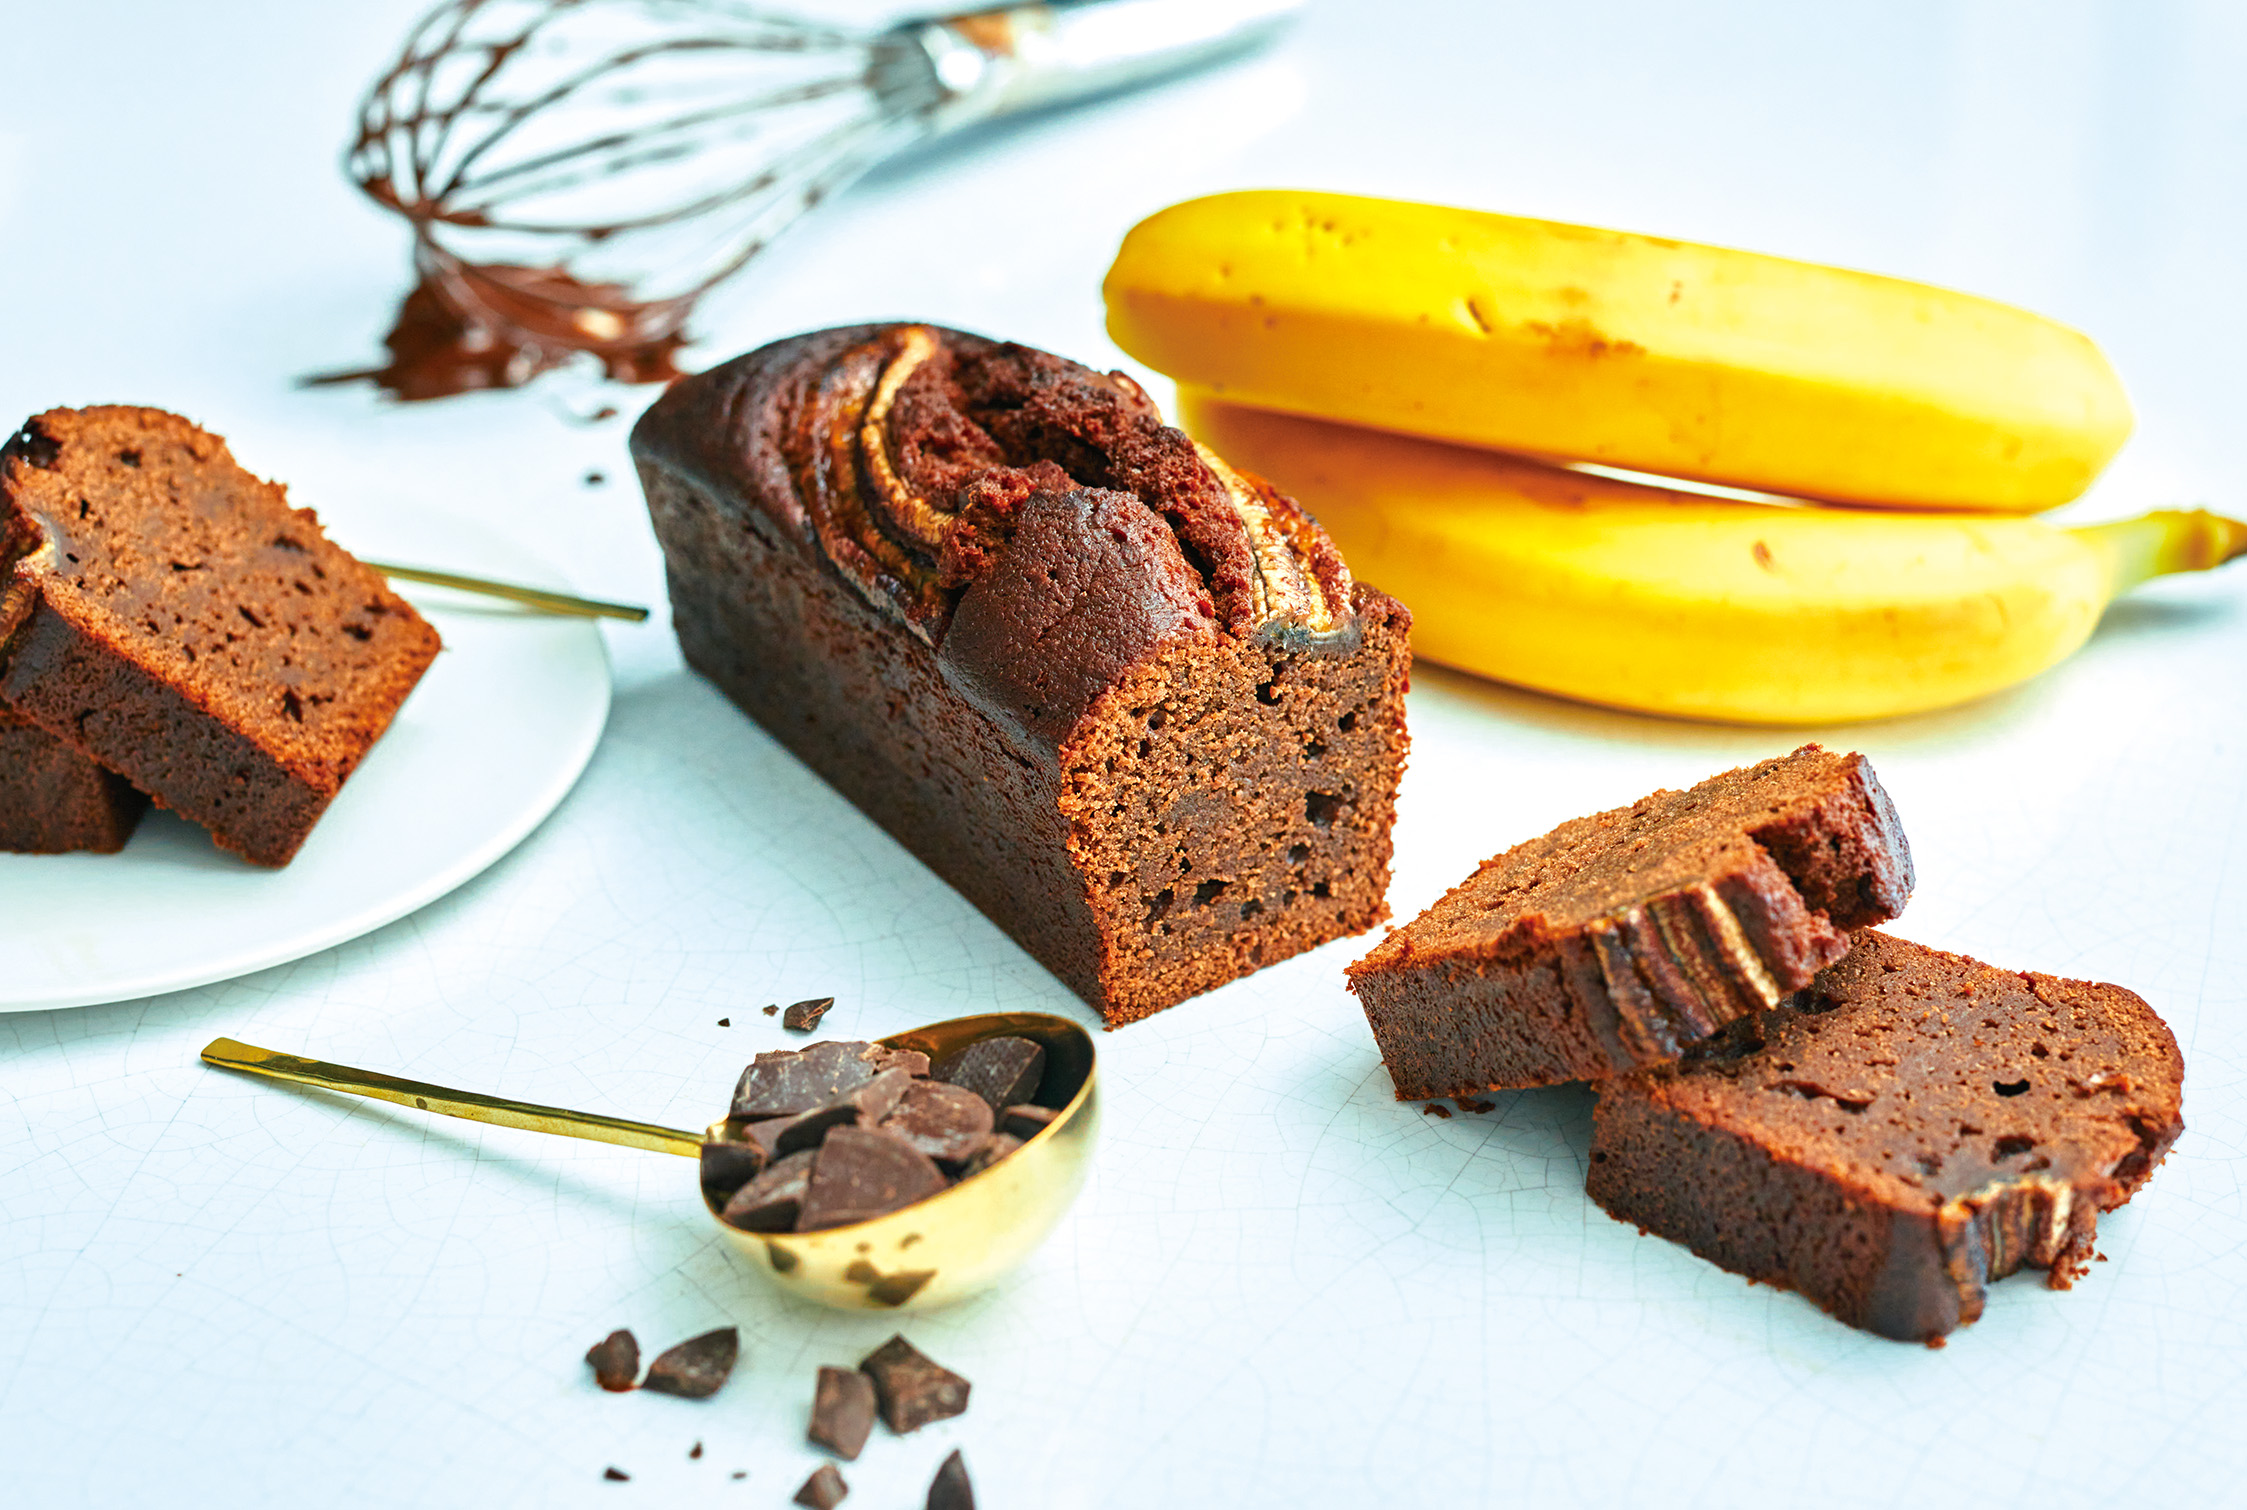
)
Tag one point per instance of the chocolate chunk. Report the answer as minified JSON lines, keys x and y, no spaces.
{"x":695,"y":1451}
{"x":842,"y":1411}
{"x":951,"y":1490}
{"x":732,"y":1156}
{"x":913,"y":1388}
{"x":1003,"y":1071}
{"x":946,"y":1122}
{"x":616,"y":1361}
{"x":616,"y":1475}
{"x":803,"y":1016}
{"x":771,"y":1008}
{"x":789,"y":1081}
{"x":865,"y":1106}
{"x":824,"y":1490}
{"x":771,"y":1201}
{"x":697,"y":1367}
{"x":1026,"y":1122}
{"x":995,"y":1147}
{"x":860,"y":1173}
{"x":725,"y":1022}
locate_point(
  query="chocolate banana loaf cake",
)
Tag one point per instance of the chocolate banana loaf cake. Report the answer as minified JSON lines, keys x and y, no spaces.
{"x":1618,"y":939}
{"x":1127,"y":701}
{"x":53,"y":799}
{"x":169,"y":616}
{"x":1911,"y":1128}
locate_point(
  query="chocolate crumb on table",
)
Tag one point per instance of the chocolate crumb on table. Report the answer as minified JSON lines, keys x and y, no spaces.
{"x":616,"y":1361}
{"x":913,"y":1388}
{"x":824,"y":1489}
{"x":1436,"y":1109}
{"x":616,"y":1475}
{"x":950,"y":1490}
{"x":698,"y":1367}
{"x":803,"y":1016}
{"x":725,"y":1022}
{"x":695,"y":1451}
{"x":842,"y":1411}
{"x":772,"y":1008}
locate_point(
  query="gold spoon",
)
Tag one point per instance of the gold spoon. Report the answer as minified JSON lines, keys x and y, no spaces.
{"x":954,"y":1244}
{"x":530,"y":597}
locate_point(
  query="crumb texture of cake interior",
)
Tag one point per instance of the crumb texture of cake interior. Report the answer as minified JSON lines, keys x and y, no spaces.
{"x":1129,"y":702}
{"x":54,"y":800}
{"x":1619,"y":939}
{"x":1913,"y":1127}
{"x":168,"y":615}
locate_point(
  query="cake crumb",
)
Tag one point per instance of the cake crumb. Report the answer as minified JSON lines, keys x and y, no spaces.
{"x":1436,"y":1109}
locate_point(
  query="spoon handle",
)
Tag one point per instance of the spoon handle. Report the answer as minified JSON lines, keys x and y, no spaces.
{"x":228,"y":1054}
{"x":538,"y":598}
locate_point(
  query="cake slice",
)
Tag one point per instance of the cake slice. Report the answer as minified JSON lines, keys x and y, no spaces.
{"x":1913,"y":1127}
{"x":169,"y":616}
{"x":53,"y":799}
{"x":1129,"y":702}
{"x":1617,"y":940}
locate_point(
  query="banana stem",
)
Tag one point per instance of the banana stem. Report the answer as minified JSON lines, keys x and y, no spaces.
{"x":2165,"y":541}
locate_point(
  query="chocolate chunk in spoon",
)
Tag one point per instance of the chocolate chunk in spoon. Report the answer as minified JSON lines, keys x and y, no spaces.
{"x":945,"y":1122}
{"x":914,"y":1389}
{"x":772,"y":1201}
{"x":736,"y":1153}
{"x":616,"y":1361}
{"x":1003,"y":1071}
{"x":951,"y":1490}
{"x":697,"y":1367}
{"x":1026,"y":1122}
{"x":862,"y":1106}
{"x":842,"y":1411}
{"x":995,"y":1147}
{"x":788,"y":1082}
{"x":860,"y":1173}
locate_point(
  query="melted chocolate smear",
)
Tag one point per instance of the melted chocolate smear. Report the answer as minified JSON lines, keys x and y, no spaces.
{"x":466,"y":327}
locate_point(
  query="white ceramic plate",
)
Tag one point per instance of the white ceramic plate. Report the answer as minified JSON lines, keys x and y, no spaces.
{"x":487,"y":746}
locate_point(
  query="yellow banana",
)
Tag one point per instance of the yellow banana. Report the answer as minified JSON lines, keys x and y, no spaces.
{"x":1592,"y":345}
{"x":1669,"y":602}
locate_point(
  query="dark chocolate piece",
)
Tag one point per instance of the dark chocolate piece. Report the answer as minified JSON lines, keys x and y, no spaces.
{"x":995,"y":1147}
{"x":950,"y":1490}
{"x":733,"y":1155}
{"x":616,"y":1475}
{"x":1003,"y":1071}
{"x":694,"y":1452}
{"x":803,"y":1016}
{"x":771,"y":1008}
{"x":1124,"y":698}
{"x":842,"y":1411}
{"x":914,"y":1389}
{"x":772,"y":1201}
{"x":945,"y":1122}
{"x":616,"y":1361}
{"x":824,"y":1490}
{"x":1913,"y":1127}
{"x":171,"y":617}
{"x":861,"y":1106}
{"x":785,"y":1082}
{"x":1026,"y":1122}
{"x":860,"y":1173}
{"x":1619,"y":939}
{"x":698,"y":1367}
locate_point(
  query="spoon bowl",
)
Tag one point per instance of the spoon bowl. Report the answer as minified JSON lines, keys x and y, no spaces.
{"x":963,"y":1240}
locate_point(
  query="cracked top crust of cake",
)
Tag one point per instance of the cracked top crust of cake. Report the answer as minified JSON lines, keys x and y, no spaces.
{"x":913,"y":460}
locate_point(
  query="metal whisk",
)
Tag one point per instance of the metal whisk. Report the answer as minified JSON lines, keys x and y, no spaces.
{"x":579,"y":172}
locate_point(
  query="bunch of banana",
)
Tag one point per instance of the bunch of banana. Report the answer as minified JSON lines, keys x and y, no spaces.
{"x":1727,"y":367}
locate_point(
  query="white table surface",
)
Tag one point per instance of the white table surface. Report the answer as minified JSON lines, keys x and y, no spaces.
{"x":1281,"y":1286}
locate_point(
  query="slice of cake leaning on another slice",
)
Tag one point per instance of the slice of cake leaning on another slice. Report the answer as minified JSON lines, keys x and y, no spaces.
{"x":53,"y":799}
{"x":1127,"y":701}
{"x":1914,"y":1126}
{"x":168,"y":615}
{"x":1617,"y":940}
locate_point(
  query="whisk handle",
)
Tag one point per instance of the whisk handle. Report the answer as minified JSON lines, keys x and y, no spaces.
{"x":996,"y":62}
